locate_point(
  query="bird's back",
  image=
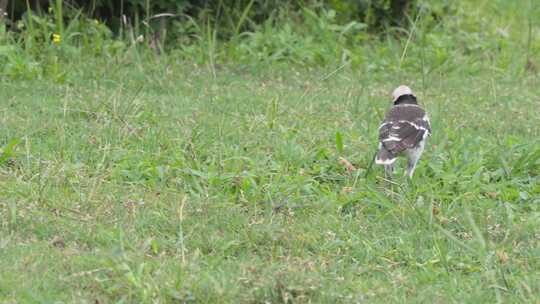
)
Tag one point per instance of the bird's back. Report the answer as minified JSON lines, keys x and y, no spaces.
{"x":404,"y":127}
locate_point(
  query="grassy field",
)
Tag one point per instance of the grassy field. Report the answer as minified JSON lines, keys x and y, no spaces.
{"x":138,"y":178}
{"x":165,"y":184}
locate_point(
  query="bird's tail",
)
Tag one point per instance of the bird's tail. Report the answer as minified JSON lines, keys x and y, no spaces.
{"x":385,"y":157}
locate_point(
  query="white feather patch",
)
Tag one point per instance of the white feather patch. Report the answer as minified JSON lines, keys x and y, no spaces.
{"x":413,"y":124}
{"x":384,"y":124}
{"x":392,"y":138}
{"x":386,"y":161}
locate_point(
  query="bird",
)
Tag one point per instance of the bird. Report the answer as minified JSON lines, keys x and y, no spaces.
{"x":403,"y":132}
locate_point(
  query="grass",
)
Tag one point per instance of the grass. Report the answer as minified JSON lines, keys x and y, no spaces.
{"x":214,"y":173}
{"x":165,"y":184}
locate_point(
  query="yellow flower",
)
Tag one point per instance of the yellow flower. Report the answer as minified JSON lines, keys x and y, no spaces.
{"x":56,"y":38}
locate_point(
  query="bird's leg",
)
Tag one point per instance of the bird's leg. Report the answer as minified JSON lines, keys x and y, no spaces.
{"x":388,"y":171}
{"x":413,"y":157}
{"x":411,"y":165}
{"x":389,"y":184}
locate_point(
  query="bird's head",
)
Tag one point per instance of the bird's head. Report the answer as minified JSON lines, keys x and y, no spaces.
{"x":400,"y":91}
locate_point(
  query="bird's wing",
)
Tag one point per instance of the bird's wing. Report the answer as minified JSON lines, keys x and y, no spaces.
{"x":403,"y":128}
